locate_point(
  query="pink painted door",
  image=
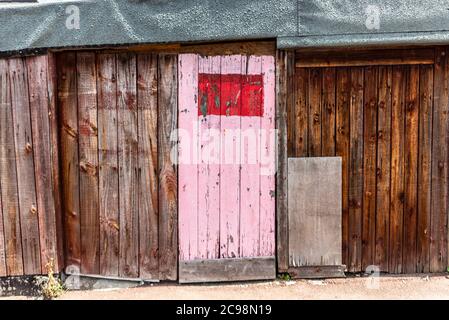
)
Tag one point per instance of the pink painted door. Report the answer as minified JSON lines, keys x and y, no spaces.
{"x":226,"y":167}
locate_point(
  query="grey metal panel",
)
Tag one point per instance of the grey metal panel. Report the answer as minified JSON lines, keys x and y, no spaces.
{"x":109,"y":22}
{"x":315,"y":211}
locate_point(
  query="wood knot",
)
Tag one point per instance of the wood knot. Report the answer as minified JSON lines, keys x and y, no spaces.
{"x":316,"y":118}
{"x":440,"y":164}
{"x":33,"y":209}
{"x":28,"y":147}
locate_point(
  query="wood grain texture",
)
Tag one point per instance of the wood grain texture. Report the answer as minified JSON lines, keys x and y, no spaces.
{"x":369,"y":167}
{"x":208,"y":161}
{"x":147,"y":82}
{"x":88,"y":162}
{"x":250,"y":171}
{"x":53,"y":111}
{"x":267,"y":240}
{"x":168,"y":186}
{"x":315,"y":110}
{"x":343,"y":97}
{"x":424,"y":167}
{"x":8,"y":178}
{"x":68,"y":106}
{"x":188,"y":156}
{"x":317,"y":272}
{"x":220,"y":270}
{"x":128,"y":165}
{"x":26,"y":183}
{"x":356,"y":170}
{"x":383,"y":168}
{"x":301,"y":115}
{"x":37,"y":68}
{"x":2,"y":240}
{"x":346,"y":58}
{"x":397,"y":169}
{"x":230,"y":173}
{"x":284,"y":86}
{"x":108,"y":182}
{"x":411,"y":168}
{"x":328,"y":112}
{"x":438,"y":242}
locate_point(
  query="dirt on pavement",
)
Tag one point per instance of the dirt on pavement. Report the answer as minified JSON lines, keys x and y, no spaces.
{"x":386,"y":287}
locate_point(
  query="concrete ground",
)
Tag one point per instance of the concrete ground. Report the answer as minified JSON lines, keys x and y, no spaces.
{"x":387,"y":287}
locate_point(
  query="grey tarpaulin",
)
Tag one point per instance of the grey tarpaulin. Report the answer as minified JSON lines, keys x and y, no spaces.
{"x":109,"y":22}
{"x":295,"y":23}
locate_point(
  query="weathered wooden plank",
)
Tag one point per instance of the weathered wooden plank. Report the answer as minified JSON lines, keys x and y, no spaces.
{"x":2,"y":241}
{"x":424,"y":167}
{"x":188,"y":156}
{"x":343,"y":97}
{"x":315,"y":111}
{"x":292,"y":111}
{"x":301,"y":115}
{"x":208,"y":166}
{"x":383,"y":168}
{"x":147,"y":83}
{"x":317,"y":272}
{"x":268,"y":161}
{"x":355,"y":171}
{"x":314,"y":211}
{"x":68,"y":105}
{"x":250,"y":167}
{"x":37,"y":68}
{"x":411,"y":168}
{"x":345,"y":58}
{"x":168,"y":196}
{"x":369,"y":167}
{"x":26,"y":183}
{"x":8,"y":178}
{"x":88,"y":162}
{"x":52,"y":91}
{"x":397,"y":169}
{"x":220,"y":270}
{"x":284,"y":85}
{"x":328,"y":113}
{"x":10,"y":227}
{"x":128,"y":165}
{"x":108,"y":164}
{"x":438,"y":233}
{"x":230,"y":161}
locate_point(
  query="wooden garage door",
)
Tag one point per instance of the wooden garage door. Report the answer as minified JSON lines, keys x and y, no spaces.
{"x":117,"y":114}
{"x":226,"y":168}
{"x":389,"y":124}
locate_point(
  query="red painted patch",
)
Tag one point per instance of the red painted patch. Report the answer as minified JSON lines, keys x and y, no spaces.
{"x":230,"y":95}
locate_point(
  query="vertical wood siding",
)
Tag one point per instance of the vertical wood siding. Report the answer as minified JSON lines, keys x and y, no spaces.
{"x":118,"y":116}
{"x":390,"y":128}
{"x":227,"y":163}
{"x":28,"y":177}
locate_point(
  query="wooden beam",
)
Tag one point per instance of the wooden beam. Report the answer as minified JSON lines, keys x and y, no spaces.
{"x":168,"y":176}
{"x":317,"y":272}
{"x":365,"y":58}
{"x":284,"y":82}
{"x":221,"y":270}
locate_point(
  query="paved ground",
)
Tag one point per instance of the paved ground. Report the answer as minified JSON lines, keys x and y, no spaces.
{"x":412,"y":287}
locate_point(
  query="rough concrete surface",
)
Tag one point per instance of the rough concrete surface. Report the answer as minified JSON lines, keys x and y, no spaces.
{"x":404,"y":287}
